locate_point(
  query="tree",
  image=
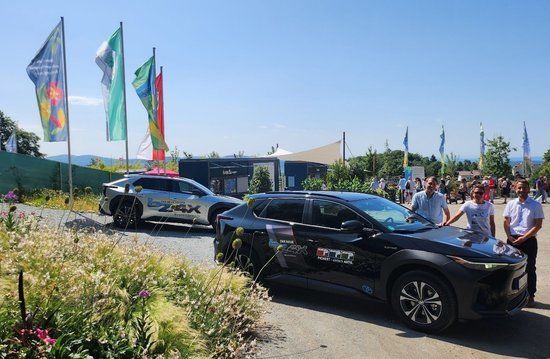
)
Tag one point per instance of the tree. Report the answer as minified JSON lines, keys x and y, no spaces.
{"x":260,"y":180}
{"x":497,"y":159}
{"x":273,"y":149}
{"x":213,"y":154}
{"x":451,"y":164}
{"x":27,"y":142}
{"x":175,"y":157}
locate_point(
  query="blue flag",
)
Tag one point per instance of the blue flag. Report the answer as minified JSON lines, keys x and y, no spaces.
{"x":481,"y":140}
{"x":11,"y":145}
{"x":526,"y":146}
{"x":406,"y":140}
{"x":46,"y":70}
{"x":442,"y":144}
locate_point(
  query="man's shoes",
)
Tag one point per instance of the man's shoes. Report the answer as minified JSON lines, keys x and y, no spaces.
{"x":531,"y":302}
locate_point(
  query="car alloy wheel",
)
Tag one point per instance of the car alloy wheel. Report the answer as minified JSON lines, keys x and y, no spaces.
{"x":420,"y":302}
{"x":246,"y":260}
{"x":126,"y":216}
{"x":424,"y":301}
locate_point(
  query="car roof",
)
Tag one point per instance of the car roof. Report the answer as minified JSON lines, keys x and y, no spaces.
{"x":345,"y":196}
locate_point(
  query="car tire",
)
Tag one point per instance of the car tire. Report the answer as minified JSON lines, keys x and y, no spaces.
{"x":127,"y":215}
{"x":424,"y":301}
{"x":247,"y":261}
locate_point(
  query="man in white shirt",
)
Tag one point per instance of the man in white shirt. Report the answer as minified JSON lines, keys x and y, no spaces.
{"x":522,"y":220}
{"x":480,"y":213}
{"x":382,"y":184}
{"x":402,"y":188}
{"x":431,"y":204}
{"x":374,"y":184}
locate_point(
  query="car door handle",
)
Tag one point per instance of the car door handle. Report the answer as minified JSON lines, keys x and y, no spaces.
{"x":312,"y":241}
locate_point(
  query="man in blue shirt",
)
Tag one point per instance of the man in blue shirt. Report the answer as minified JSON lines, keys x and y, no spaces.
{"x":431,"y":204}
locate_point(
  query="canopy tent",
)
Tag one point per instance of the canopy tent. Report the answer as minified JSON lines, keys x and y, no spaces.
{"x":157,"y":171}
{"x":327,"y":154}
{"x":279,"y":152}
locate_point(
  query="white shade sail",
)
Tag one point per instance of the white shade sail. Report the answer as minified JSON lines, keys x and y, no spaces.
{"x":327,"y":154}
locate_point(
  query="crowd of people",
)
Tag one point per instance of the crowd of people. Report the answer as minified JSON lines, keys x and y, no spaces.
{"x":523,"y":215}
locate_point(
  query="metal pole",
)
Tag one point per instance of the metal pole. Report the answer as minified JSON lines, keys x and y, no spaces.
{"x":344,"y":147}
{"x":124,"y":89}
{"x":68,"y":127}
{"x":164,"y":159}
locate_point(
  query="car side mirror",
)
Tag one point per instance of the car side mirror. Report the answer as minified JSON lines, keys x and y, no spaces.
{"x":353,"y":226}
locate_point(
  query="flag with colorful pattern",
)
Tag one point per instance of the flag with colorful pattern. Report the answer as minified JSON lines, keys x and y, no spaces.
{"x":144,"y":83}
{"x":46,"y":71}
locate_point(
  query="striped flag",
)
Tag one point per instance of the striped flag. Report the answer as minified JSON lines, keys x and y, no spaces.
{"x":110,"y":60}
{"x":144,"y":83}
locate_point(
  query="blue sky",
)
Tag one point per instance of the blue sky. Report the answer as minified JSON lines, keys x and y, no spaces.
{"x":244,"y":75}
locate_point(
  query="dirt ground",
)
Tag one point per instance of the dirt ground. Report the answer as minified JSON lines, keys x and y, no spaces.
{"x":305,"y":324}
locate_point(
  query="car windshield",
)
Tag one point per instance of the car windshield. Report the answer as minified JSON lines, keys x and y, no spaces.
{"x":197,"y":184}
{"x":393,"y":216}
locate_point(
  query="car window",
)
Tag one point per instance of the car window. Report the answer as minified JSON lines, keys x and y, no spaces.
{"x":259,"y":206}
{"x":291,"y":210}
{"x":391,"y":215}
{"x":157,"y":184}
{"x":331,"y":214}
{"x":183,"y":187}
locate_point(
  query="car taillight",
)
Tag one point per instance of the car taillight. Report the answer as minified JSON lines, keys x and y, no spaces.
{"x":221,"y":216}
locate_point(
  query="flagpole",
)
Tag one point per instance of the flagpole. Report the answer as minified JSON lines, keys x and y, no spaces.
{"x":124,"y":90}
{"x":164,"y":151}
{"x":156,"y":105}
{"x":68,"y":127}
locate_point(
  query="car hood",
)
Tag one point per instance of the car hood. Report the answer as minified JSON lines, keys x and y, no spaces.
{"x":465,"y":243}
{"x":228,"y":199}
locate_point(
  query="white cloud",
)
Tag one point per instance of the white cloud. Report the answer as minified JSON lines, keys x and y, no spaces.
{"x":85,"y":101}
{"x":278,"y":125}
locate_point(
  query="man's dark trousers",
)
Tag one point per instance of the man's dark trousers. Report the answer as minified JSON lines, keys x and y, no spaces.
{"x":530,"y":248}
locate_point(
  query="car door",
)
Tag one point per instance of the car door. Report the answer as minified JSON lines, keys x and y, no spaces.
{"x":155,"y":196}
{"x":352,"y":259}
{"x":186,"y":201}
{"x":283,"y":222}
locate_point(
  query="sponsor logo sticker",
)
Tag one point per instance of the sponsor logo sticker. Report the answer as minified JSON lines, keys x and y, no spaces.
{"x":335,"y":255}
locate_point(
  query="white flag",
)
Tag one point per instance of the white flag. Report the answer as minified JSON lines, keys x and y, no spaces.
{"x":11,"y":145}
{"x":145,"y":150}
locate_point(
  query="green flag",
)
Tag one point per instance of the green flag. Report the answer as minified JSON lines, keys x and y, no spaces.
{"x":144,"y":83}
{"x":110,"y":59}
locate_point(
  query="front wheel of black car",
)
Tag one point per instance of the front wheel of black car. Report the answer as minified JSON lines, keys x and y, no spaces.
{"x":127,"y":216}
{"x":424,"y":301}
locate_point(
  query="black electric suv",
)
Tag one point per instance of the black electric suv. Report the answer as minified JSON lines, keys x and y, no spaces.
{"x":360,"y":244}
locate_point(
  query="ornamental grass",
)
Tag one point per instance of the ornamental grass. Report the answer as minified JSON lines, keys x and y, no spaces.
{"x":85,"y":295}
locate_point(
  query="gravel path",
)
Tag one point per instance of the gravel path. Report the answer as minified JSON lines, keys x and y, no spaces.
{"x":302,"y":324}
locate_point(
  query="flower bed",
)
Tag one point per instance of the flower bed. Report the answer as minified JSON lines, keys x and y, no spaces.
{"x":86,"y":295}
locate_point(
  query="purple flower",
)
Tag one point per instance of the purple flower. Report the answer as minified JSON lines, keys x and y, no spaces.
{"x":144,"y":294}
{"x":10,"y":197}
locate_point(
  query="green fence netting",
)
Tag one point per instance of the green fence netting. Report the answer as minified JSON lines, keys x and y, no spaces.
{"x":28,"y":173}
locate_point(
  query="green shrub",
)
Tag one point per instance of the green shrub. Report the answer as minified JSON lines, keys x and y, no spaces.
{"x":260,"y":181}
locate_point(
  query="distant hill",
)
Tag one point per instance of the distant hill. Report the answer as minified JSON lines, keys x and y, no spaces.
{"x":84,"y":160}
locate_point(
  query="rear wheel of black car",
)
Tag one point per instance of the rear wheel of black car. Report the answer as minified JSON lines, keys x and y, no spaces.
{"x":424,"y":301}
{"x":247,"y":261}
{"x":127,"y":215}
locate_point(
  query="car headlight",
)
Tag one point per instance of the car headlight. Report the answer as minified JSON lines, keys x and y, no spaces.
{"x":478,"y":265}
